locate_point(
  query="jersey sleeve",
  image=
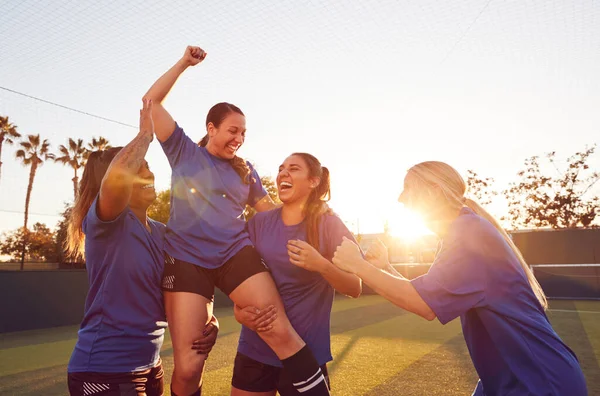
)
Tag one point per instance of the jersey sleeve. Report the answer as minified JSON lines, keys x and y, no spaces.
{"x":178,"y":147}
{"x":257,"y":190}
{"x":95,"y":228}
{"x":456,"y":281}
{"x":334,"y":230}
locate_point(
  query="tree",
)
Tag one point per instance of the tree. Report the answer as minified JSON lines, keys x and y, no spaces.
{"x":39,"y":243}
{"x":33,"y":153}
{"x":74,"y":156}
{"x":95,"y":145}
{"x":479,"y":188}
{"x":160,"y":208}
{"x":8,"y":134}
{"x":560,"y":201}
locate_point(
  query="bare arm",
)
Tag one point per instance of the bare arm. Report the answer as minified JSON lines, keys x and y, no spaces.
{"x":117,"y":183}
{"x":396,"y":289}
{"x":342,"y":281}
{"x":164,"y":123}
{"x":304,"y":255}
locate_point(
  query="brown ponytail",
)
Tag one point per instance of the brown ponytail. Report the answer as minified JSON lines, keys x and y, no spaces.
{"x":316,"y":204}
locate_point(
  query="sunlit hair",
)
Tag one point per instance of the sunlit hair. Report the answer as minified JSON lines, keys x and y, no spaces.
{"x":89,"y":187}
{"x":425,"y":176}
{"x":216,"y":115}
{"x":316,"y":203}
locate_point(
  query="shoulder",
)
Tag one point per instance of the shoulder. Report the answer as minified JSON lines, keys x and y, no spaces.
{"x":332,"y":226}
{"x":158,"y":227}
{"x":251,"y":167}
{"x":470,"y":224}
{"x":332,"y":220}
{"x":472,"y":233}
{"x":92,"y":225}
{"x":157,"y":224}
{"x":265,"y":217}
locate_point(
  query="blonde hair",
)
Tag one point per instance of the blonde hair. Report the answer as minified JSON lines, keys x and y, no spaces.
{"x":437,"y":174}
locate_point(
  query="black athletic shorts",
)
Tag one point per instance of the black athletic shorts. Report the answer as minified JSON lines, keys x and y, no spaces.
{"x":252,"y":376}
{"x":140,"y":383}
{"x":181,"y":276}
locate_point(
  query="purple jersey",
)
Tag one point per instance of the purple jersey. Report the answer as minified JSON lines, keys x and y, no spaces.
{"x":307,"y":296}
{"x":477,"y":277}
{"x":208,"y":198}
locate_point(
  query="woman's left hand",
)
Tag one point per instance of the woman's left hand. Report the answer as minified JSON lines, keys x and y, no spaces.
{"x":205,"y":344}
{"x":348,"y":257}
{"x":305,"y":256}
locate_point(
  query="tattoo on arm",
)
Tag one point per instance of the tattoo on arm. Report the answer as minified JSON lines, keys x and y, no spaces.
{"x":128,"y":161}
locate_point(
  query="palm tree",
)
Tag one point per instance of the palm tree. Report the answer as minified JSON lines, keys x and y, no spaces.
{"x":33,"y":153}
{"x":96,"y":145}
{"x":8,"y":134}
{"x":74,"y":156}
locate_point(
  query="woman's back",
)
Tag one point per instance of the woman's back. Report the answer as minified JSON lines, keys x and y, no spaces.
{"x":513,"y":345}
{"x":124,"y":321}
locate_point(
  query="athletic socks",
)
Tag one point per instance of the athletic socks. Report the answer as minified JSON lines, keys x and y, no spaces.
{"x":307,"y":377}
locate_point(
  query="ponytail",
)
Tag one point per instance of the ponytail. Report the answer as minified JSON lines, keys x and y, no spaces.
{"x":453,"y":187}
{"x":316,"y":205}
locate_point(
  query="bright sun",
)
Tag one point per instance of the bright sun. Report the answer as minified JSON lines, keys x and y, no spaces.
{"x":406,"y":225}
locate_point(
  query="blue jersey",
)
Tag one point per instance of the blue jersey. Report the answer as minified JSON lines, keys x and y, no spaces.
{"x":124,"y":320}
{"x":307,"y":296}
{"x":477,"y":277}
{"x":206,"y":226}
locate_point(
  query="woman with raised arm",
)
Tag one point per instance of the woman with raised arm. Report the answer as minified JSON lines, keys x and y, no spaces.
{"x":480,"y":276}
{"x":207,"y":243}
{"x":118,"y":346}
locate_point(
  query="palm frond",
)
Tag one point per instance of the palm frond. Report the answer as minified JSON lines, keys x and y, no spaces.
{"x":35,"y":140}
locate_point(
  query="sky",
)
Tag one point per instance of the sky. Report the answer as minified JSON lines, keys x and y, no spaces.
{"x":369,"y":87}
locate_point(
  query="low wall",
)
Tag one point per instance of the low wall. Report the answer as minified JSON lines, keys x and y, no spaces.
{"x":42,"y":299}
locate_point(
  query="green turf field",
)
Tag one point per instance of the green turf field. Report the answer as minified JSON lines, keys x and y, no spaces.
{"x":378,"y":348}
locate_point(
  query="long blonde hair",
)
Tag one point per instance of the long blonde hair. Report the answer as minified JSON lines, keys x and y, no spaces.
{"x":437,"y":174}
{"x":89,"y":187}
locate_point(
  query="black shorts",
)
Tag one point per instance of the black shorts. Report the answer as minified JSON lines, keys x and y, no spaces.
{"x":141,"y":383}
{"x":181,"y":276}
{"x":252,"y":376}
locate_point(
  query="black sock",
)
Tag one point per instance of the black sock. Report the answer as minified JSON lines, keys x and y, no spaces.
{"x":306,"y":374}
{"x":197,"y":393}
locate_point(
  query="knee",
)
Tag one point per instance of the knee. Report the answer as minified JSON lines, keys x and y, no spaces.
{"x":281,"y":333}
{"x":189,"y":370}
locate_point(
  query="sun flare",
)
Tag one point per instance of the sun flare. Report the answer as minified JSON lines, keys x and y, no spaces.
{"x":406,"y":225}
